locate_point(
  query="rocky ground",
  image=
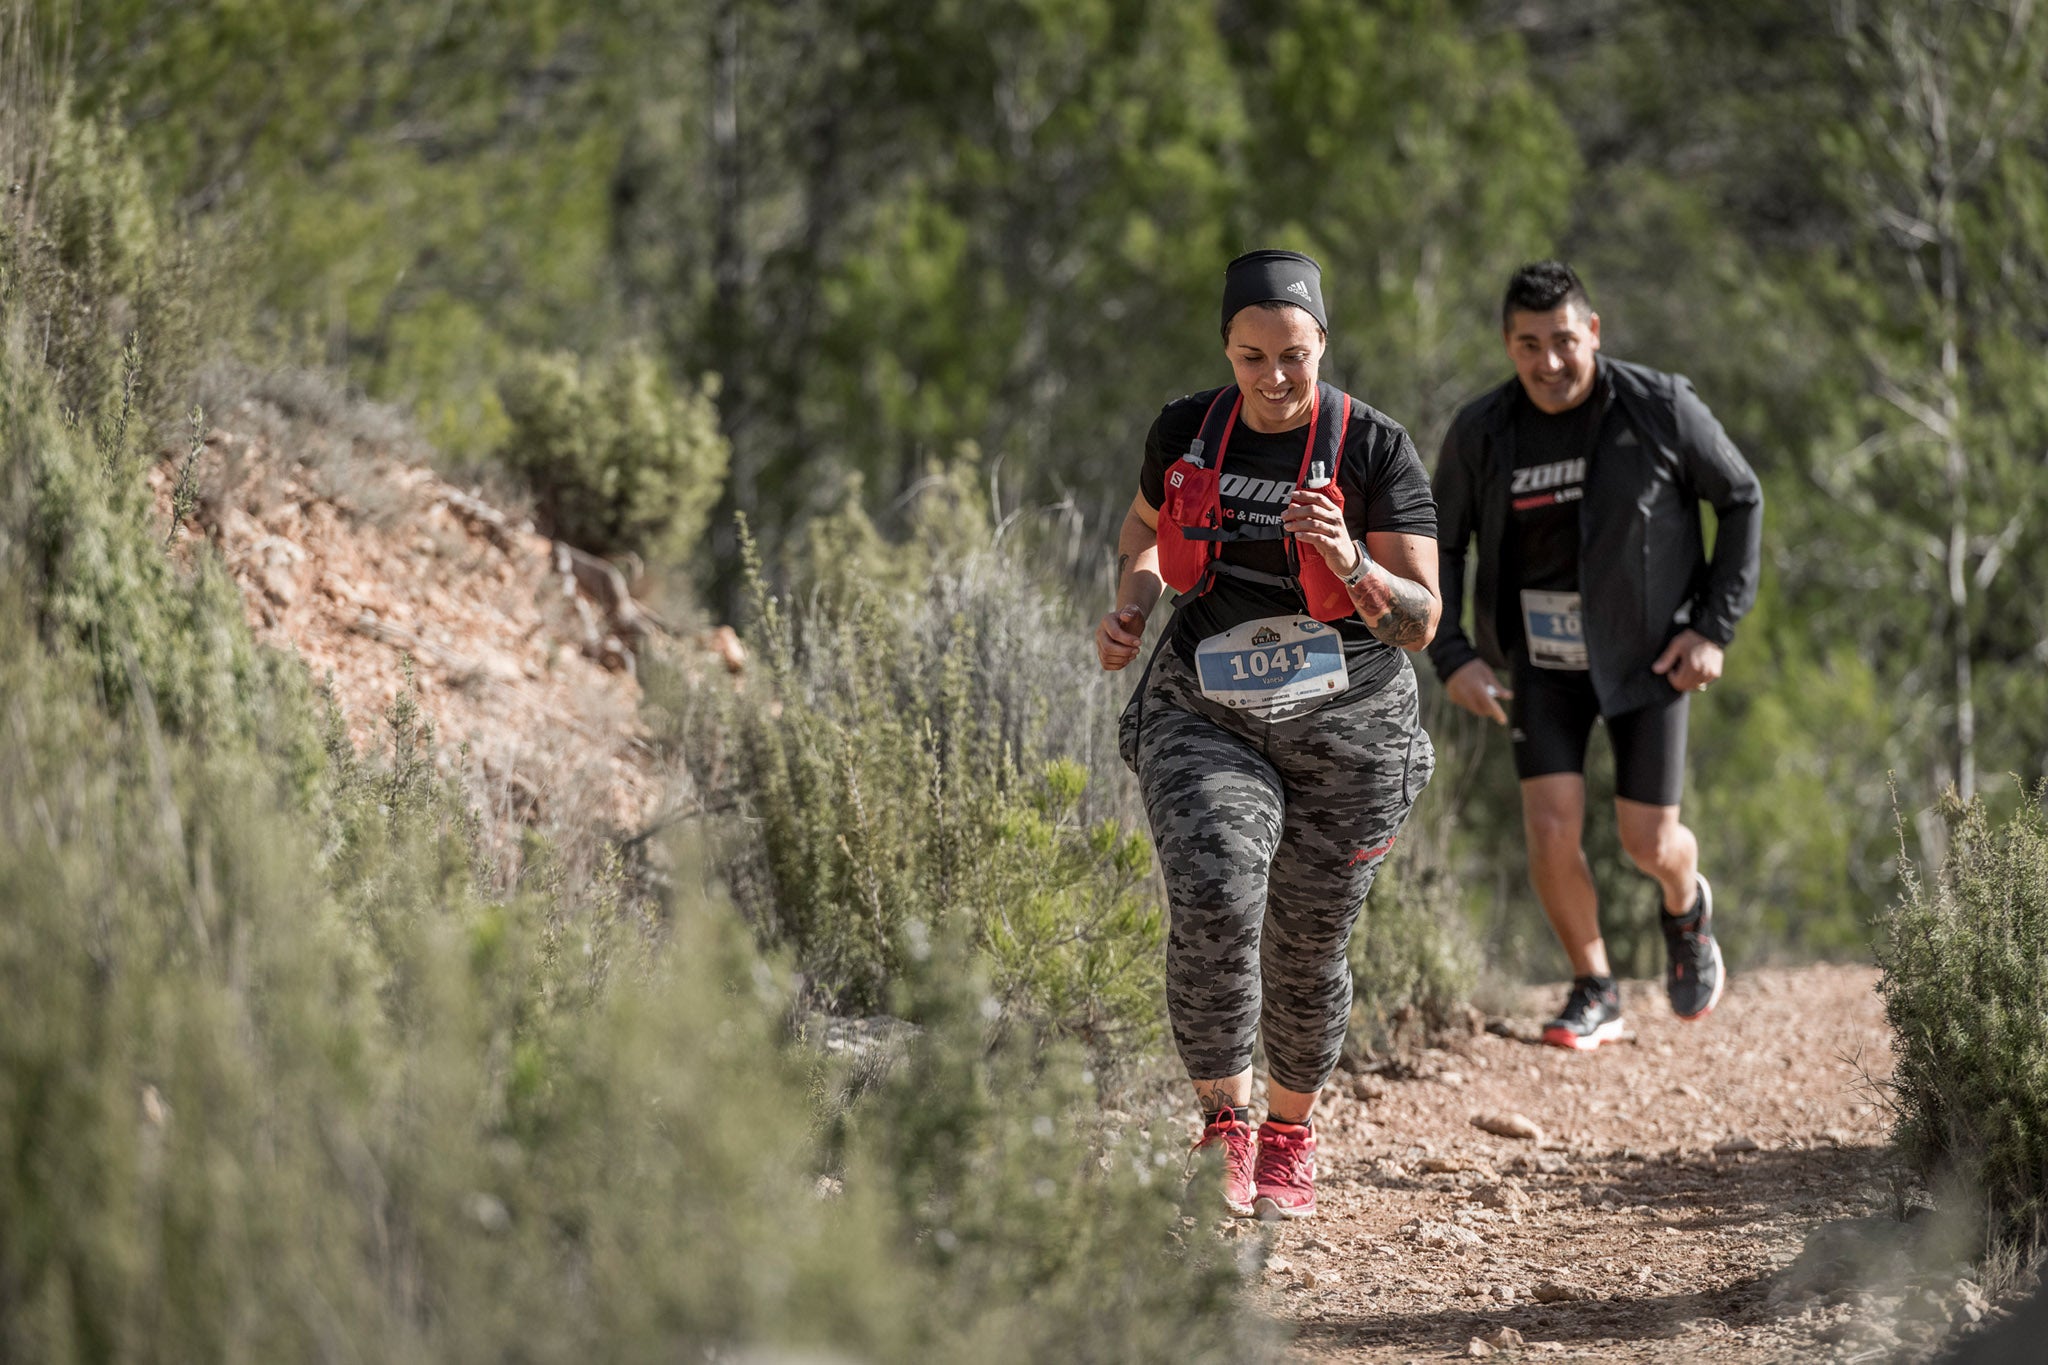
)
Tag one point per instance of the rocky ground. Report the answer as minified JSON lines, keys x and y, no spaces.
{"x":386,"y":578}
{"x":1714,"y":1191}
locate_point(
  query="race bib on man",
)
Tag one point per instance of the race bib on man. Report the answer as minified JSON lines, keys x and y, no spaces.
{"x":1554,"y":629}
{"x":1273,"y":668}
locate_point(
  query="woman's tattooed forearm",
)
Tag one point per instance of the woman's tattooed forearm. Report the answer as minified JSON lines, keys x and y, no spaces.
{"x":1123,"y":566}
{"x":1395,"y":610}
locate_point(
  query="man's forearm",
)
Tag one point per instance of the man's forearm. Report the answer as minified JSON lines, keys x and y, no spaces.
{"x":1732,"y":573}
{"x":1449,"y":648}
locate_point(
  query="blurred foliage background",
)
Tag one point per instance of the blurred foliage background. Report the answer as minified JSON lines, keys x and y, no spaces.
{"x":985,"y":238}
{"x":849,"y":318}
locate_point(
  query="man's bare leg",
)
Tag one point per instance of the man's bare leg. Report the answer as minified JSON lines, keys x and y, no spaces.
{"x":1695,"y":973}
{"x":1663,"y":848}
{"x":1554,"y":823}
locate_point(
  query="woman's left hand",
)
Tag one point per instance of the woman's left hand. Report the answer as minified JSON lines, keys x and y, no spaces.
{"x":1313,"y":519}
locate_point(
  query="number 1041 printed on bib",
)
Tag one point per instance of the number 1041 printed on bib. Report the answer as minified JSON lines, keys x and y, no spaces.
{"x":1275,"y":667}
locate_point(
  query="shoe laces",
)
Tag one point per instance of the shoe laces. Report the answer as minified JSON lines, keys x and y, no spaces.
{"x":1284,"y":1152}
{"x":1235,"y":1135}
{"x":1689,"y":931}
{"x":1586,"y":996}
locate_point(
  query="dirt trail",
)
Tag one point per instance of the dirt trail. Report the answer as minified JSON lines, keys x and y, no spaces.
{"x":1675,"y":1175}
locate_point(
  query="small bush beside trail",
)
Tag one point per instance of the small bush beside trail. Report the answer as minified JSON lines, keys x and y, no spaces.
{"x":618,"y":460}
{"x":906,"y":758}
{"x":1965,"y":986}
{"x":1413,"y":955}
{"x":117,"y":306}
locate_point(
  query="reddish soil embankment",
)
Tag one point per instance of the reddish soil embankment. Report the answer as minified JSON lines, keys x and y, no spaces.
{"x":375,"y":572}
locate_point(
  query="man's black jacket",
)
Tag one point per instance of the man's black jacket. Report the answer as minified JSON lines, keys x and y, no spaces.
{"x":1643,"y":569}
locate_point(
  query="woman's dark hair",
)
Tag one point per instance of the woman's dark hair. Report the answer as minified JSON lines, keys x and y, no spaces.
{"x":1542,"y":287}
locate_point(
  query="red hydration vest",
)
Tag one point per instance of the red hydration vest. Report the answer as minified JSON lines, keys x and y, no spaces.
{"x":1191,"y":529}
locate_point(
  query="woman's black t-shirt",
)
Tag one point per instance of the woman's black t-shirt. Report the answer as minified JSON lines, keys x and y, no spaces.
{"x":1385,"y":489}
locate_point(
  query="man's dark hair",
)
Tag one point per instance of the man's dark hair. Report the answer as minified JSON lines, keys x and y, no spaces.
{"x":1542,"y":287}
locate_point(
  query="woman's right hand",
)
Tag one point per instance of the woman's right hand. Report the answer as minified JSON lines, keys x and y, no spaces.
{"x":1118,"y":637}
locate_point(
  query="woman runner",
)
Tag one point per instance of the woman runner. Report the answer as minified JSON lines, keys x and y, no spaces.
{"x":1275,"y":734}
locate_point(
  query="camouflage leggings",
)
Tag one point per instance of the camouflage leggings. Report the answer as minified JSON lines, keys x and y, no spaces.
{"x":1269,"y":835}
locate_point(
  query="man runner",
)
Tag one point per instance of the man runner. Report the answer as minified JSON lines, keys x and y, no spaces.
{"x":1582,"y":478}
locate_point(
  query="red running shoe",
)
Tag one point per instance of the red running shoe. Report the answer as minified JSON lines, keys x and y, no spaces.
{"x":1286,"y":1173}
{"x":1236,"y":1138}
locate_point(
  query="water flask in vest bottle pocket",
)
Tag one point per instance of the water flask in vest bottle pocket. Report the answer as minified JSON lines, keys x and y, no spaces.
{"x":1321,"y":589}
{"x":1192,"y":502}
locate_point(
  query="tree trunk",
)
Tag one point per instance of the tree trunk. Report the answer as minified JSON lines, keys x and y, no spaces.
{"x":728,"y":275}
{"x":1955,"y":458}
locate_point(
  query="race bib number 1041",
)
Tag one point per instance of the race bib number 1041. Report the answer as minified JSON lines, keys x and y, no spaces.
{"x":1273,"y":668}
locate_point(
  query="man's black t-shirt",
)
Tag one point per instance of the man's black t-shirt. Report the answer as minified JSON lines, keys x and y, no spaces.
{"x":1385,"y":489}
{"x":1551,"y":450}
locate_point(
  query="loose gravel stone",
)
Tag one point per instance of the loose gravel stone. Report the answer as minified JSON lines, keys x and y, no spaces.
{"x":1509,"y":1125}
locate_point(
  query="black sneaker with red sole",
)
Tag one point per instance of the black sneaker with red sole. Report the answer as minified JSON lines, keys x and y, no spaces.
{"x":1591,"y":1016}
{"x":1694,"y":974}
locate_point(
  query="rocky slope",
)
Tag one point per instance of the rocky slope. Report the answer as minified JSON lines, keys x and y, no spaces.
{"x":383,"y":577}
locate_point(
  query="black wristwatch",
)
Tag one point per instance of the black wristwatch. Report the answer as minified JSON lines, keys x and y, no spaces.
{"x":1364,"y":567}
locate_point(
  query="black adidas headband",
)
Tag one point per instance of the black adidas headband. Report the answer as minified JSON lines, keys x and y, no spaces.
{"x":1274,"y":277}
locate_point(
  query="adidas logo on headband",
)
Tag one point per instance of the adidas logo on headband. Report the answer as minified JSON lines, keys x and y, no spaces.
{"x":1269,"y":276}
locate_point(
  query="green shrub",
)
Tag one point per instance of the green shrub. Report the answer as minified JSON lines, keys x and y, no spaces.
{"x":1413,"y":955}
{"x":909,"y":758}
{"x":116,"y":306}
{"x":617,"y":459}
{"x":1038,"y":1258}
{"x":80,"y":539}
{"x":248,"y":1118}
{"x":1965,"y":987}
{"x":275,"y":1087}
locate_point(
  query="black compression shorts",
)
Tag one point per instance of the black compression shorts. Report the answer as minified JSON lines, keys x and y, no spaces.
{"x":1551,"y":718}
